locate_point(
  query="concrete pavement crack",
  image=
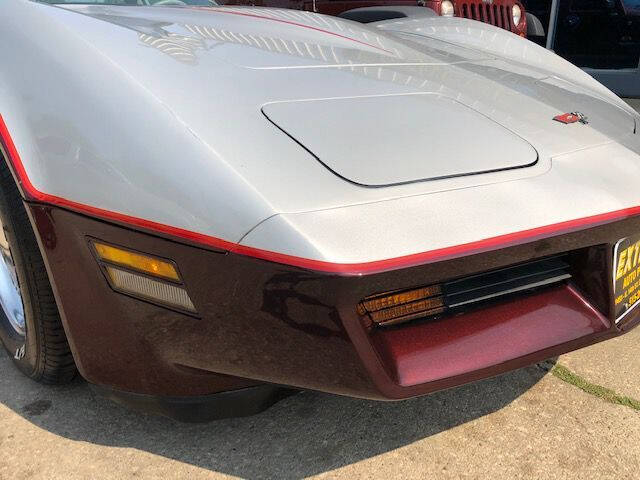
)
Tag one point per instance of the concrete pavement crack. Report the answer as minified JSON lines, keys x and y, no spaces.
{"x":606,"y":394}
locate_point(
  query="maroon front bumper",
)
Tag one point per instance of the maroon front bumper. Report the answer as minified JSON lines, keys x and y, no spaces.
{"x":262,"y":322}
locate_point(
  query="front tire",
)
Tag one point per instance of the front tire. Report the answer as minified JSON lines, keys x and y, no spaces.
{"x":30,"y":327}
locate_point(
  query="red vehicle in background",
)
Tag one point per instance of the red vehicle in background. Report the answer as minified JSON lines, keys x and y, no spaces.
{"x":507,"y":14}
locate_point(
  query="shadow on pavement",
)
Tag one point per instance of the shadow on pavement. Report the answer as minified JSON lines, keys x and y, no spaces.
{"x":302,"y":435}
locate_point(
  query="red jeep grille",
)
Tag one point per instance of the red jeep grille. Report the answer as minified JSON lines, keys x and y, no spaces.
{"x":487,"y":12}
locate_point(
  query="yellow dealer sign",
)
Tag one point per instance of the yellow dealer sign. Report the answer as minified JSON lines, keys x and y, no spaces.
{"x":626,"y":275}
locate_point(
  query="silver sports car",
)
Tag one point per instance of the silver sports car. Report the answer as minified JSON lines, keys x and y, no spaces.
{"x":205,"y":207}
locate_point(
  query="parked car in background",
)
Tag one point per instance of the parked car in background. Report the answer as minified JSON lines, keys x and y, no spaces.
{"x":600,"y":36}
{"x":507,"y":14}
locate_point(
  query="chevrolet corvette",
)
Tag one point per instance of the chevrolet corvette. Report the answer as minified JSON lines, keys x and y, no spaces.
{"x":204,"y":207}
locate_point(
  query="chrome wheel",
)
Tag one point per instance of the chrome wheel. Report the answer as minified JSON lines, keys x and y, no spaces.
{"x":10,"y":297}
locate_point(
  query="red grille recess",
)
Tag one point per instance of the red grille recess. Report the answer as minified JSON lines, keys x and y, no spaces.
{"x":426,"y":352}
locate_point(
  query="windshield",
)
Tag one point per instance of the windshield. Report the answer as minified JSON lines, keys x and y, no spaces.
{"x":141,"y":3}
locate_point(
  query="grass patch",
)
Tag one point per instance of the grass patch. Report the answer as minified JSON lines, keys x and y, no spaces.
{"x":606,"y":394}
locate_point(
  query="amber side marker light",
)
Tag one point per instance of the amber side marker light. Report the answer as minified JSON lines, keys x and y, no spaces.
{"x":137,"y":261}
{"x":143,"y":276}
{"x":397,"y":307}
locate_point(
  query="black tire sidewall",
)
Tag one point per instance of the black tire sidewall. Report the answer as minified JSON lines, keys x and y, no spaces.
{"x":26,"y":351}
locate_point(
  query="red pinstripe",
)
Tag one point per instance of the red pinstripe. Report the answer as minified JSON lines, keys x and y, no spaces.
{"x":492,"y":243}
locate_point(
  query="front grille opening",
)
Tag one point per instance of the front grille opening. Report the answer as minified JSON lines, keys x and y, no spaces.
{"x":459,"y":295}
{"x":487,"y":13}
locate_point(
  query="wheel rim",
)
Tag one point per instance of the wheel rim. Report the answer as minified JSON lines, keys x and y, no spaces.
{"x":10,"y":297}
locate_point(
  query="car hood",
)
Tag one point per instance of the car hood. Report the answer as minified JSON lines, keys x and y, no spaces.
{"x":395,"y":139}
{"x":213,"y":120}
{"x":414,"y":108}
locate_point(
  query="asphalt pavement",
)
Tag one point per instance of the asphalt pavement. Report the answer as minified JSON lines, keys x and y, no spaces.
{"x":532,"y":423}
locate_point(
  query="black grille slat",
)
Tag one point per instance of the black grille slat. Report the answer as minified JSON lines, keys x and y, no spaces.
{"x":506,"y":281}
{"x":496,"y":277}
{"x":508,"y":288}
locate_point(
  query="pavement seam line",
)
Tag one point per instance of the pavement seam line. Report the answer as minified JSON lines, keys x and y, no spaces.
{"x":606,"y":394}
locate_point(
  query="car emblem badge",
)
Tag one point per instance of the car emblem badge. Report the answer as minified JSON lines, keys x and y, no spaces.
{"x":573,"y":117}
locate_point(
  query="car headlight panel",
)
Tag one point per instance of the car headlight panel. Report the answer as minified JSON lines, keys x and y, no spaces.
{"x":516,"y":11}
{"x":447,"y":9}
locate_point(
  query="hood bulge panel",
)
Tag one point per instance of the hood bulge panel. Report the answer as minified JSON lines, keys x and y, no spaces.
{"x":395,"y":139}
